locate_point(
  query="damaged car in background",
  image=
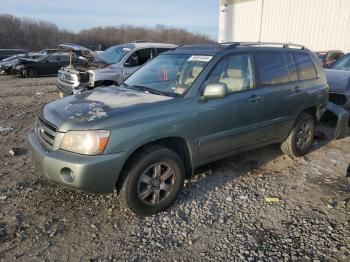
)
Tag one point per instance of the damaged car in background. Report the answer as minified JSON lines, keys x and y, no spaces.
{"x":44,"y":64}
{"x":105,"y":68}
{"x":338,"y":78}
{"x":8,"y":64}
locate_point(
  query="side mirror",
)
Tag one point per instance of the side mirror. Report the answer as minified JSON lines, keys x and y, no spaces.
{"x":216,"y":90}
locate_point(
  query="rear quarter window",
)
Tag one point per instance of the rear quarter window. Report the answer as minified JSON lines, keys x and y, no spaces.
{"x":272,"y":67}
{"x":306,"y":67}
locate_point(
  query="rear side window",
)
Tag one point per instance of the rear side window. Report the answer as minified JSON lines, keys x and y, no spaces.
{"x":272,"y":67}
{"x":306,"y":67}
{"x":293,"y":74}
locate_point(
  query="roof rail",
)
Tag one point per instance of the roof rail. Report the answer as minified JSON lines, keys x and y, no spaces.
{"x":284,"y":45}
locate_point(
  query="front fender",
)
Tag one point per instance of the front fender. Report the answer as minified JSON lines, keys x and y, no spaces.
{"x":109,"y":73}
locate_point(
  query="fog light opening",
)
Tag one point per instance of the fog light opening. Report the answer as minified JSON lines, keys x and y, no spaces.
{"x":67,"y":175}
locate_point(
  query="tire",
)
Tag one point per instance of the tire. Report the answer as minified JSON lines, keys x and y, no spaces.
{"x":301,"y":137}
{"x":30,"y":73}
{"x":143,"y":179}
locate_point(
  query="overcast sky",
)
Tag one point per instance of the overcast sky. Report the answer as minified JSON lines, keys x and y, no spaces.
{"x":195,"y":15}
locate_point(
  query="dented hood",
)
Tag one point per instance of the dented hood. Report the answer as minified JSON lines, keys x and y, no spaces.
{"x":79,"y":50}
{"x":86,"y":109}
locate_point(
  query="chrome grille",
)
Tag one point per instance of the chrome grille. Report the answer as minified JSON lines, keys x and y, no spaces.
{"x":46,"y":132}
{"x":65,"y":77}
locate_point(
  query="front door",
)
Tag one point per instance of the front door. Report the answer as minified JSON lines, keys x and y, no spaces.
{"x":136,"y":59}
{"x":230,"y":123}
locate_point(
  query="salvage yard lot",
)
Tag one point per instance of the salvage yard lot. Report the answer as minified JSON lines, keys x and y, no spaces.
{"x":221,"y":214}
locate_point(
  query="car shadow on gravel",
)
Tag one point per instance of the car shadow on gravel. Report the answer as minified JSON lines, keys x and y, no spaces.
{"x":219,"y":173}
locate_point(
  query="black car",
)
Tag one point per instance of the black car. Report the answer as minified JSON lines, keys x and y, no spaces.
{"x":44,"y":65}
{"x":8,"y":64}
{"x":5,"y":53}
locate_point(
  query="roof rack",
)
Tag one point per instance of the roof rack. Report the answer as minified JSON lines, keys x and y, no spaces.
{"x":284,"y":45}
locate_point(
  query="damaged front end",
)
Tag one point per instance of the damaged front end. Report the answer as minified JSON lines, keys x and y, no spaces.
{"x":74,"y":79}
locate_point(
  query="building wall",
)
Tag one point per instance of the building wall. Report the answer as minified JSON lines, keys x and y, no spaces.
{"x":317,"y":24}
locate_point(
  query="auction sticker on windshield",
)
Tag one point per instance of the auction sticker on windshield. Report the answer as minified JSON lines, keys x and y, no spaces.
{"x":201,"y":58}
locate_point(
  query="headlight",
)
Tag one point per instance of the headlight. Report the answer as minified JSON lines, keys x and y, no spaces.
{"x":86,"y":142}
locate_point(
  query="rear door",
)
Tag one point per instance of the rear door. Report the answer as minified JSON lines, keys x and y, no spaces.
{"x":311,"y":83}
{"x":282,"y":94}
{"x":232,"y":122}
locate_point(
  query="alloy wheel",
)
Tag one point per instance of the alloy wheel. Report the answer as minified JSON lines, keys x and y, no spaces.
{"x":156,"y":182}
{"x":303,"y":135}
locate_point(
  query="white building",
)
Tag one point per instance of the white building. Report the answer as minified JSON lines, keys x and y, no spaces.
{"x":317,"y":24}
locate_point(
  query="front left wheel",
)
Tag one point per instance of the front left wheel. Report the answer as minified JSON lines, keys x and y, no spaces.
{"x":30,"y":73}
{"x":153,"y":179}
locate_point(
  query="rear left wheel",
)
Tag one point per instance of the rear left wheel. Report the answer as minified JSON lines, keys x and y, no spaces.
{"x":301,"y":137}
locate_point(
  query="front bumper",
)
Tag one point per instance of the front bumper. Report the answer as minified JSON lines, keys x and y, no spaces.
{"x":68,"y":90}
{"x":94,"y":174}
{"x":64,"y":88}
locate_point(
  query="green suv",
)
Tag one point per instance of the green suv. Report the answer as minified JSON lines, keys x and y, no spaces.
{"x":185,"y":108}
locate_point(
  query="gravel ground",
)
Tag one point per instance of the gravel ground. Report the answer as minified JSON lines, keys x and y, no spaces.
{"x":221,"y":214}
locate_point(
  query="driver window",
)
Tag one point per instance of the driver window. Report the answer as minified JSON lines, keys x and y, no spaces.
{"x":235,"y":71}
{"x":139,"y":57}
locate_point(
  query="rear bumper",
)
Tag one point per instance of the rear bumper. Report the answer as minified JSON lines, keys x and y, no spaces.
{"x":94,"y":174}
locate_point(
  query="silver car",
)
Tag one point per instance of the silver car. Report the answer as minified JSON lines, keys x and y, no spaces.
{"x":106,"y":68}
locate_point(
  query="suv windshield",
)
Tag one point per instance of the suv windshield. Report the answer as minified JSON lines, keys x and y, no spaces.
{"x":342,"y":64}
{"x":170,"y":74}
{"x":114,"y":54}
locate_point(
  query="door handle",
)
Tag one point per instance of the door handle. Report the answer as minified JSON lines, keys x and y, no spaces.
{"x":297,"y":89}
{"x":254,"y":98}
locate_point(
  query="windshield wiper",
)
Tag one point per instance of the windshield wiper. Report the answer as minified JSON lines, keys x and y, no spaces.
{"x":154,"y":91}
{"x":148,"y":89}
{"x":128,"y":87}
